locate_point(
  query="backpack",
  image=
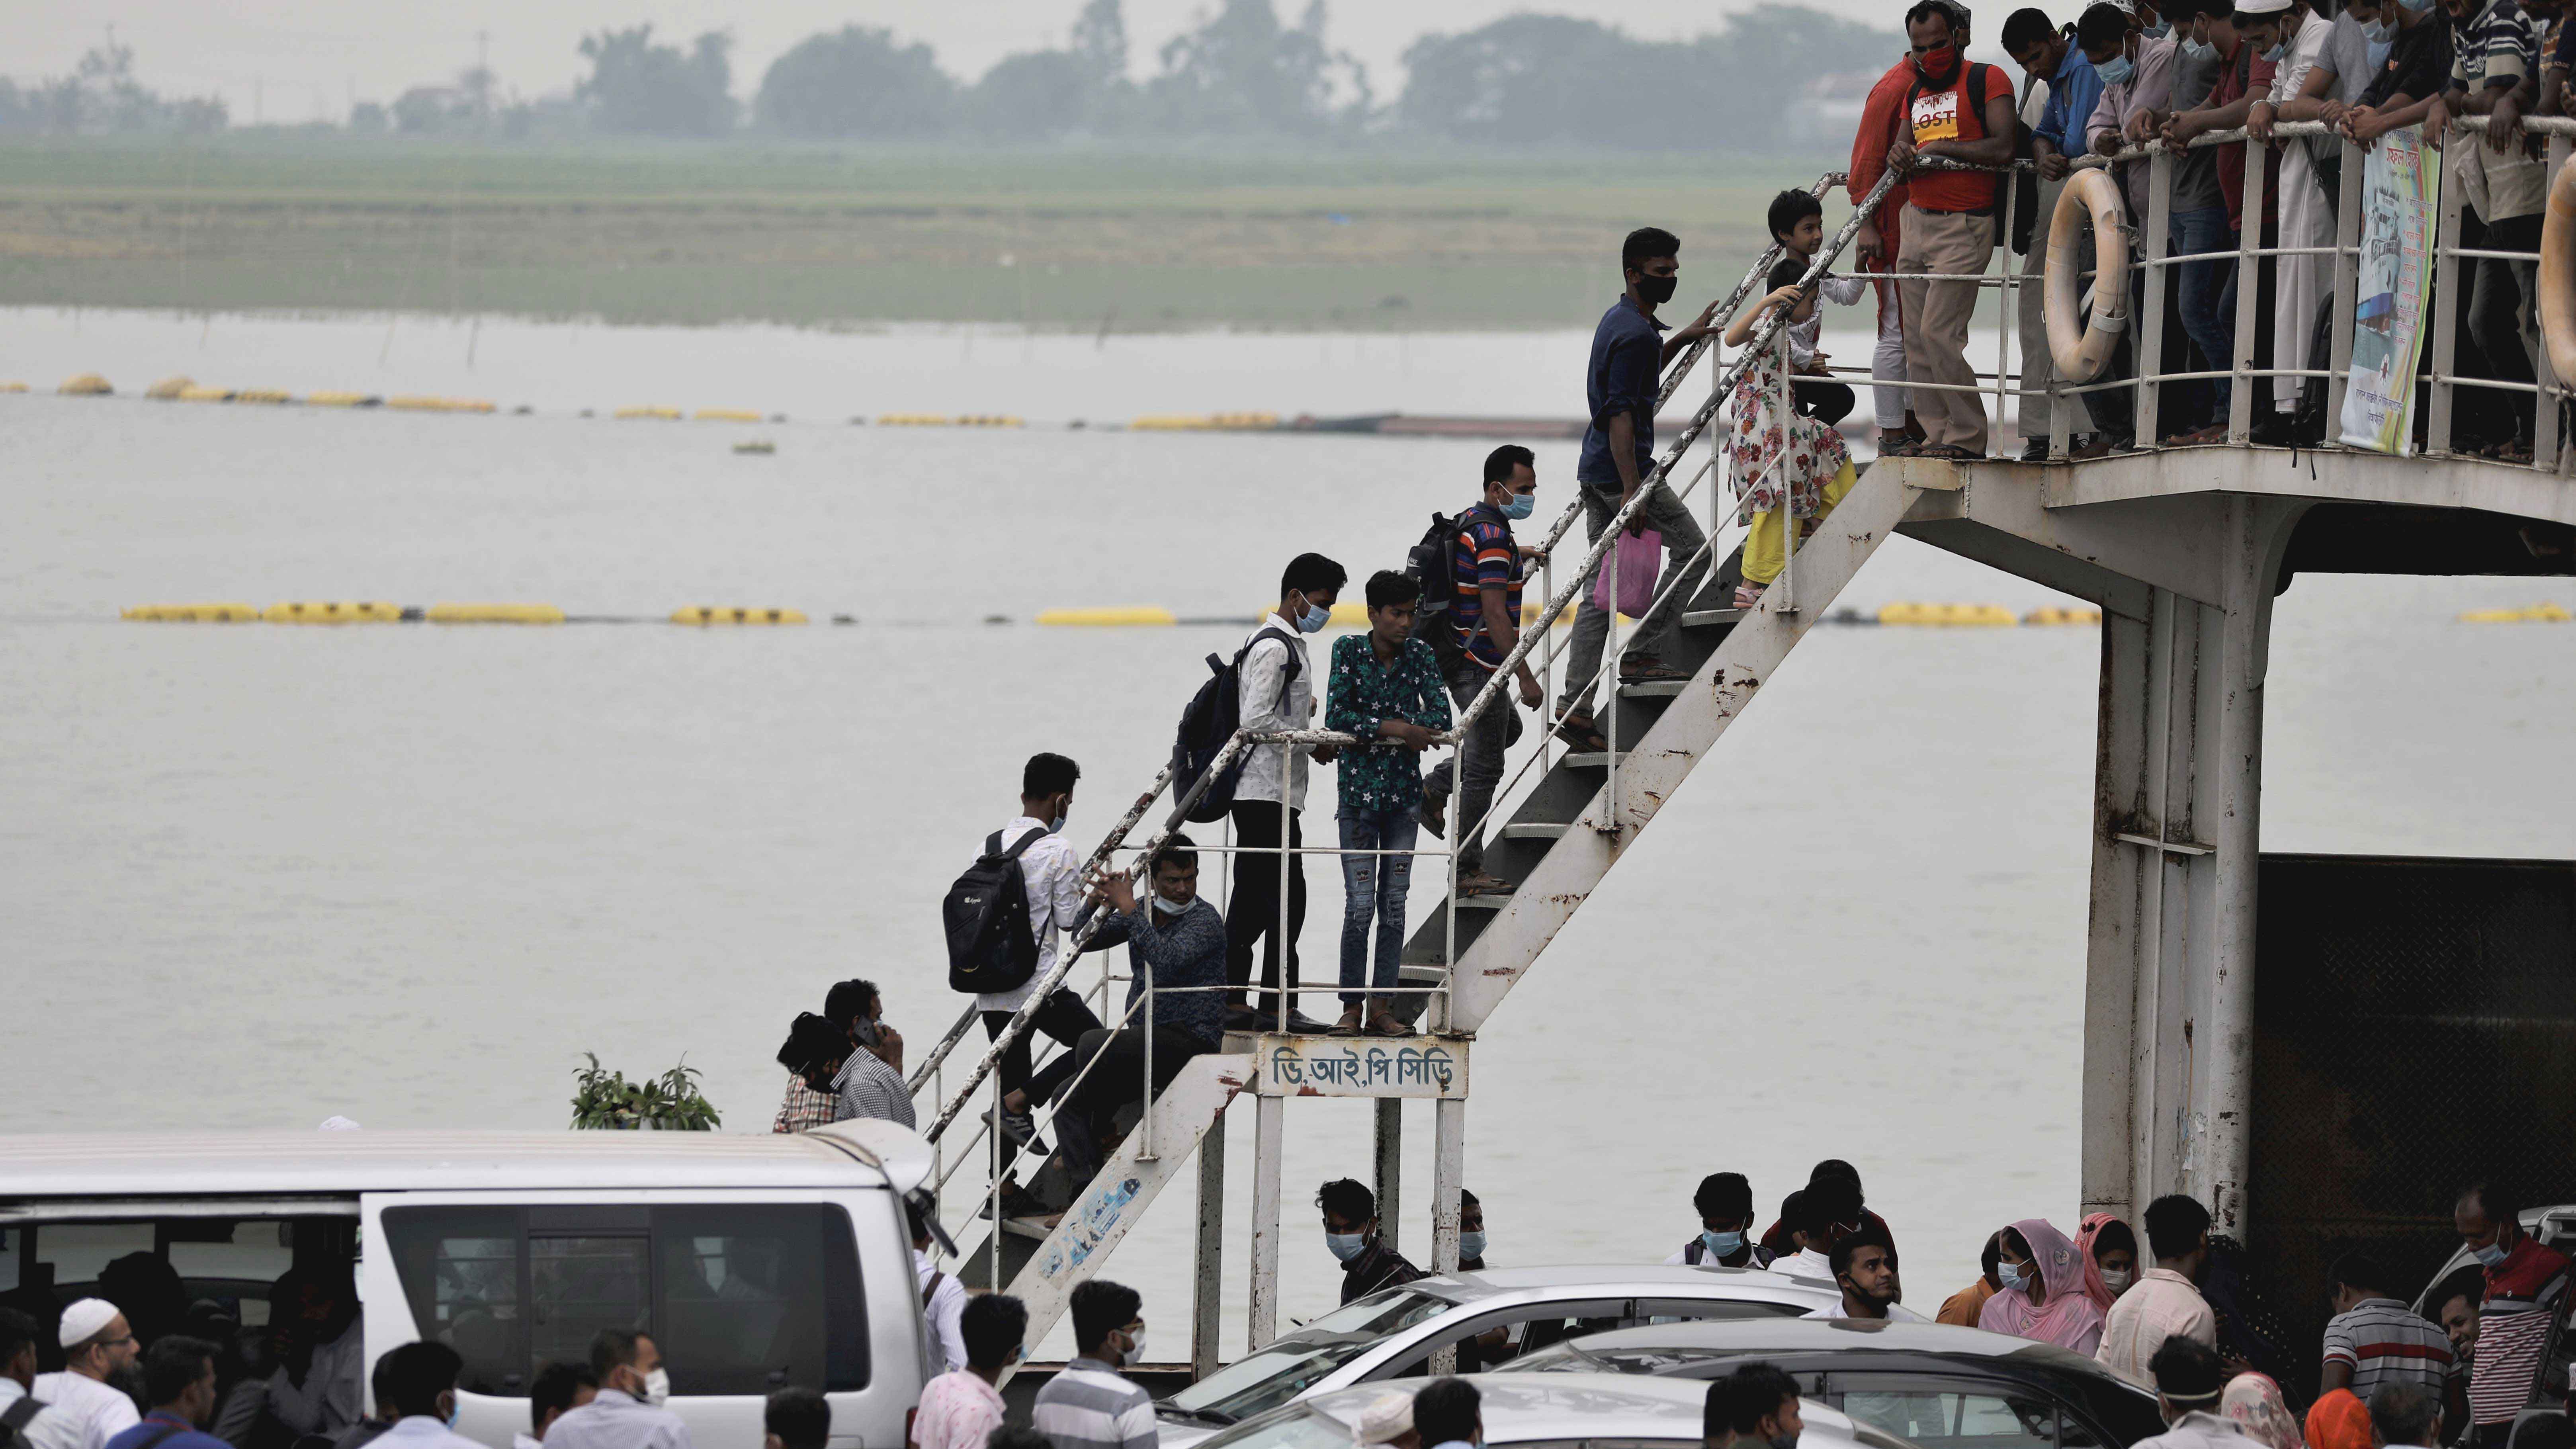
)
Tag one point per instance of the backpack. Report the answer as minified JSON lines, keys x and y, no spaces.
{"x":1214,"y":714}
{"x":14,"y":1419}
{"x":1433,"y":563}
{"x":990,"y":946}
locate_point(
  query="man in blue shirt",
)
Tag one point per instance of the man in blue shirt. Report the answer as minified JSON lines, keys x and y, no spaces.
{"x":179,"y":1382}
{"x":1619,"y":384}
{"x":2048,"y":57}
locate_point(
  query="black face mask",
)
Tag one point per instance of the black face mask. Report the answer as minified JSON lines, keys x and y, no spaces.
{"x":1657,"y":290}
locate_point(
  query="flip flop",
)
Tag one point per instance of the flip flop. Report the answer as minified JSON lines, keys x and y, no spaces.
{"x":1580,"y":733}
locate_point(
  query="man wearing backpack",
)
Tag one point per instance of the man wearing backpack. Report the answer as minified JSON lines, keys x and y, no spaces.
{"x":1487,"y":566}
{"x":1277,"y":691}
{"x":1050,"y":872}
{"x":27,"y":1422}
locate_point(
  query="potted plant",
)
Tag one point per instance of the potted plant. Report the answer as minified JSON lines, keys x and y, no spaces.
{"x":670,"y":1102}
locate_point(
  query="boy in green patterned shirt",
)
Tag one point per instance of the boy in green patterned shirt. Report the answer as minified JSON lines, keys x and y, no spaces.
{"x":1385,"y":688}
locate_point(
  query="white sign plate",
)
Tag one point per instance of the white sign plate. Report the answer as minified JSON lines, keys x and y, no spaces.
{"x":1360,"y":1066}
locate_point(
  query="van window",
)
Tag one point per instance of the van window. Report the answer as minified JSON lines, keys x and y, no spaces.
{"x":741,"y":1298}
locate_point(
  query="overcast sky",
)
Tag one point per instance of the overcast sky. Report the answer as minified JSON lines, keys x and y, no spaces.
{"x":304,"y":57}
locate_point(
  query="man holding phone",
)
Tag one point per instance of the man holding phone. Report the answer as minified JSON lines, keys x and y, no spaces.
{"x":870,"y":1081}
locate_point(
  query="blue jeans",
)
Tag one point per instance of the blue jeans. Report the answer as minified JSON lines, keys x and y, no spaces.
{"x":1374,"y":885}
{"x":2207,"y":296}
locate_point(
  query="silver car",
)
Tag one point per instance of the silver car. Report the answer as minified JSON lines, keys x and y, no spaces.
{"x":1558,"y":1411}
{"x":1489,"y":1317}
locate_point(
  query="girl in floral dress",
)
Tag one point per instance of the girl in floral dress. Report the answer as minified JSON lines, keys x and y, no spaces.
{"x":1776,"y":454}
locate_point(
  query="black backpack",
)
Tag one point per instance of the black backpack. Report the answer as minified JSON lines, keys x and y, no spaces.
{"x":1214,"y":714}
{"x":13,"y":1421}
{"x":1433,"y":562}
{"x":990,"y":946}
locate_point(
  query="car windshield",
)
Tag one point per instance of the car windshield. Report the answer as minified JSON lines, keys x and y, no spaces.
{"x":1568,"y":1358}
{"x":1294,"y":1364}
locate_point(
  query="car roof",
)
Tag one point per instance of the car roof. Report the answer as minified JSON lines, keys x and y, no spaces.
{"x":40,"y":1172}
{"x":1646,"y":1278}
{"x":1517,"y":1407}
{"x":1786,"y":1336}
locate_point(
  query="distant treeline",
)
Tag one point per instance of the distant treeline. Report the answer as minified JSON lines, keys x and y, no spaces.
{"x":1524,"y":80}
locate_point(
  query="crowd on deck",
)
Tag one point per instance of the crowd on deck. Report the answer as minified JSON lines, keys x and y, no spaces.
{"x":2135,"y":75}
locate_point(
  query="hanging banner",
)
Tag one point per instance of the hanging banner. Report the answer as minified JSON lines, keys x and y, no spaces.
{"x":2401,"y":188}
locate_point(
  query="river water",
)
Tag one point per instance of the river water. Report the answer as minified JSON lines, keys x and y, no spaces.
{"x":258,"y":876}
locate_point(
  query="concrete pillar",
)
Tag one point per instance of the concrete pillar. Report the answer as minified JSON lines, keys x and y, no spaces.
{"x":1208,"y":1281}
{"x":2169,"y":998}
{"x":1263,"y":1325}
{"x":1390,"y":1169}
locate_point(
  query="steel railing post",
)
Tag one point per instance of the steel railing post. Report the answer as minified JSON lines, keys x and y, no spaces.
{"x":1787,"y":606}
{"x":2249,"y":292}
{"x":2006,"y":386}
{"x":1145,"y":972}
{"x":2544,"y":417}
{"x":2446,"y":305}
{"x":2147,"y":324}
{"x":2347,"y":284}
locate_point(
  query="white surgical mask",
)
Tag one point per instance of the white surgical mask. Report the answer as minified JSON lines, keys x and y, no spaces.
{"x":2198,"y":49}
{"x":2118,"y":1279}
{"x":1170,"y":908}
{"x":2013,"y":1275}
{"x":657,"y":1387}
{"x":1136,"y":1349}
{"x":1346,"y":1246}
{"x":2378,"y":32}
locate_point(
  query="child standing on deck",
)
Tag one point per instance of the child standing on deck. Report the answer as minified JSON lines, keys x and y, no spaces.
{"x":1783,"y":464}
{"x":1798,"y":225}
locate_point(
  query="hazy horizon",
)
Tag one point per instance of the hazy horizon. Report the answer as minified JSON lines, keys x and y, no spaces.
{"x":293,"y":61}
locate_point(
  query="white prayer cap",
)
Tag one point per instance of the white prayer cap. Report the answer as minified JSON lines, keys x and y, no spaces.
{"x":337,"y":1124}
{"x":85,"y":1320}
{"x":1386,"y":1420}
{"x":2261,"y":7}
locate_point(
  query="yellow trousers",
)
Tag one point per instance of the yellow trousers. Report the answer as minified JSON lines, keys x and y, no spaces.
{"x":1763,"y":551}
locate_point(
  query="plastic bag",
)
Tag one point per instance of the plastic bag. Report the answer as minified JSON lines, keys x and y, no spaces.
{"x":1633,"y":563}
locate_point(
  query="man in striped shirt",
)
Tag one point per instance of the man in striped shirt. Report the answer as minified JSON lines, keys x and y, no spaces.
{"x":2526,"y":1296}
{"x":2374,"y":1339}
{"x":1091,"y":1405}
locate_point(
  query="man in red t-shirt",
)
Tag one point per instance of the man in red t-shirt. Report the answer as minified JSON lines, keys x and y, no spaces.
{"x":1960,"y":112}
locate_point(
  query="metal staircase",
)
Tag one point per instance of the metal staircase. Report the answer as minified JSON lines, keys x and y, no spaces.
{"x":1564,"y":819}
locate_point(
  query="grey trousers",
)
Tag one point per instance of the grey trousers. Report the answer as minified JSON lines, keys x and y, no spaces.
{"x":1665,"y":514}
{"x":1480,"y":761}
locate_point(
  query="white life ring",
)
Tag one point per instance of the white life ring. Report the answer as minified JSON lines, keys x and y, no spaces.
{"x":2082,"y":348}
{"x":2558,"y":275}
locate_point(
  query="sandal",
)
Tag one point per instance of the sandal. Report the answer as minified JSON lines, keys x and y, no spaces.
{"x":1901,"y":448}
{"x":1579,"y":732}
{"x":1949,"y":452}
{"x":1748,"y":597}
{"x":1483,"y":883}
{"x":1646,"y":669}
{"x":1384,"y":1024}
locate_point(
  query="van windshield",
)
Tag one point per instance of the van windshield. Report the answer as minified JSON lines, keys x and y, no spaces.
{"x":1295,"y":1363}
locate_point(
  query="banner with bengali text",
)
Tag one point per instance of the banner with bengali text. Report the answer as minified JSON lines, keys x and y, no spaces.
{"x":2401,"y":190}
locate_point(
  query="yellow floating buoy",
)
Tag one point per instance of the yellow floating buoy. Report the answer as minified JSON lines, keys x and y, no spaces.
{"x":169,"y":388}
{"x":2536,"y":614}
{"x":194,"y":393}
{"x":342,"y":400}
{"x":1949,"y":616}
{"x":87,"y":384}
{"x":273,"y":396}
{"x":755,"y":447}
{"x":493,"y":614}
{"x":192,"y":613}
{"x":333,"y":612}
{"x":13,"y":387}
{"x":2051,"y":614}
{"x":725,"y":415}
{"x":660,"y":414}
{"x":1107,"y":618}
{"x":415,"y":403}
{"x":990,"y":420}
{"x":714,"y":614}
{"x":913,"y":420}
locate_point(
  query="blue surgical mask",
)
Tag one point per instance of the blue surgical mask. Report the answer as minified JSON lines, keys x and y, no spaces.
{"x":1723,"y":1244}
{"x":2379,"y":49}
{"x":454,"y":1408}
{"x":1057,"y":824}
{"x":2379,"y":32}
{"x":2012,"y":1275}
{"x":2197,"y":50}
{"x":1471,"y":1245}
{"x":1346,"y":1246}
{"x":2276,"y":52}
{"x":2159,"y":30}
{"x":1520,"y":505}
{"x":1314,"y":619}
{"x":2491,"y":1254}
{"x":2115,"y":71}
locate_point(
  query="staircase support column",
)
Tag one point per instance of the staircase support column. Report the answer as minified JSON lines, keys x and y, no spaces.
{"x":2169,"y":998}
{"x":1207,"y":1285}
{"x":1448,"y":1171}
{"x":1390,"y":1168}
{"x":1266,"y":1123}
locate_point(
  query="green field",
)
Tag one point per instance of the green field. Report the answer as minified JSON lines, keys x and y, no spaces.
{"x":681,"y":234}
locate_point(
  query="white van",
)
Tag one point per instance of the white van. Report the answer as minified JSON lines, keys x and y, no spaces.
{"x":755,"y":1263}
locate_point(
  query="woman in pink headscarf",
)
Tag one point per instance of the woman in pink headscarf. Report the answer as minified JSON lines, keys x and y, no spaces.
{"x":2110,"y":1258}
{"x":2043,"y":1295}
{"x":2254,"y":1402}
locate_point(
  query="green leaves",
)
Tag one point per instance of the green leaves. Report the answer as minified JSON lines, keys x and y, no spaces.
{"x":670,"y":1102}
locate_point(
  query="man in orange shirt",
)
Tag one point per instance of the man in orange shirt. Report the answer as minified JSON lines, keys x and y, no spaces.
{"x":1877,"y":243}
{"x":1959,"y":111}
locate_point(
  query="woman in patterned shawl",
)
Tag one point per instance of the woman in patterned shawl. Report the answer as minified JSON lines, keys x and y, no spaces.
{"x":1776,"y":454}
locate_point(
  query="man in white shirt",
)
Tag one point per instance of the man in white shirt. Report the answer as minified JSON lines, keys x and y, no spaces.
{"x":557,"y":1390}
{"x":44,"y":1426}
{"x":1826,"y":1210}
{"x":1864,"y":1268}
{"x":1276,"y":692}
{"x":2166,"y":1300}
{"x":628,"y":1412}
{"x":943,"y":1298}
{"x":99,"y":1349}
{"x":323,"y":1348}
{"x":421,"y":1378}
{"x":1051,"y":871}
{"x":2188,"y":1381}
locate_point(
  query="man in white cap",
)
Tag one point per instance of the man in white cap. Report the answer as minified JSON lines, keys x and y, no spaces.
{"x":39,"y":1423}
{"x":1388,"y":1421}
{"x":99,"y":1349}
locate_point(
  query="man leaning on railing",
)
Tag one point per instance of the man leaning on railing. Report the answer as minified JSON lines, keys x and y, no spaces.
{"x":2049,"y":57}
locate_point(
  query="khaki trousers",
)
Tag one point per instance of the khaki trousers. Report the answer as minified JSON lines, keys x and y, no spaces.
{"x":1936,"y":321}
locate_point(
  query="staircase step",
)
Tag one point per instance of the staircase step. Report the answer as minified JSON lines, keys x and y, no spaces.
{"x":1653,"y":689}
{"x":1534,"y":831}
{"x":1483,"y":903}
{"x":1709,"y":618}
{"x":1590,"y":759}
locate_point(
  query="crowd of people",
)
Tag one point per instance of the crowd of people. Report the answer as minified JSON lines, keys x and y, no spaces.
{"x":2121,"y":75}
